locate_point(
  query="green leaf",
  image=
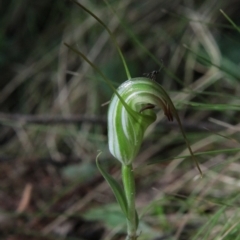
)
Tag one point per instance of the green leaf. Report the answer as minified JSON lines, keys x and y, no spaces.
{"x":116,"y":188}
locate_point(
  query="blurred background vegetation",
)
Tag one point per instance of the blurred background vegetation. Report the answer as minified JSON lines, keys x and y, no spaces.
{"x":52,"y":121}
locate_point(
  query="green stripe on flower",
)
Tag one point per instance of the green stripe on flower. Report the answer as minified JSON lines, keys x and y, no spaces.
{"x":126,"y":128}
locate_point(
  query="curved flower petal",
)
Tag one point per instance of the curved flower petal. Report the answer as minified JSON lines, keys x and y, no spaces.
{"x":126,"y":127}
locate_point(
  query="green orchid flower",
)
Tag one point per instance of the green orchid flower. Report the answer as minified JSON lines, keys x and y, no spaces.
{"x":126,"y":126}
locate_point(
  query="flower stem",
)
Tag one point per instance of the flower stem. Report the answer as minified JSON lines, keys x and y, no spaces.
{"x":129,"y":188}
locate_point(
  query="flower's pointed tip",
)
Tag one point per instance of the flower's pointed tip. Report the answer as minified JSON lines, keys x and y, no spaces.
{"x":169,"y":116}
{"x":168,"y":112}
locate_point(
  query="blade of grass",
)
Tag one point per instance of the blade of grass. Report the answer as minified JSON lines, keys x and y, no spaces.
{"x":230,"y":20}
